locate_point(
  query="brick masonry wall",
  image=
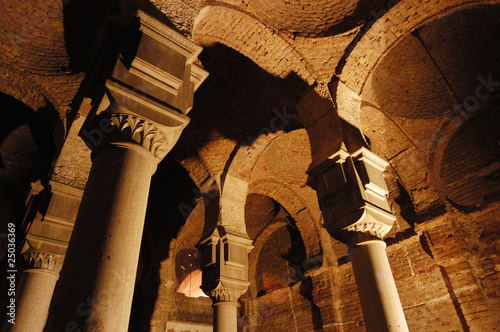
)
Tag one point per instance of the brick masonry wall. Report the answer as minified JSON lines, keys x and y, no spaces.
{"x":446,"y":274}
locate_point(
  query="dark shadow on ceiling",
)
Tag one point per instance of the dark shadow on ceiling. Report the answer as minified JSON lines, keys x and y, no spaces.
{"x":239,"y":101}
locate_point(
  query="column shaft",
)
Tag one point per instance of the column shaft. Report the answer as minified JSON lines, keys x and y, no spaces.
{"x":377,"y":291}
{"x":97,"y":280}
{"x":33,"y":300}
{"x":225,"y":317}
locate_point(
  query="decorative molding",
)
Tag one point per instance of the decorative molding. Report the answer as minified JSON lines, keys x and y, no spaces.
{"x":143,"y":132}
{"x":352,"y":194}
{"x":376,"y":229}
{"x":365,"y":155}
{"x":155,"y":75}
{"x":51,"y":214}
{"x":198,"y":75}
{"x":340,"y":156}
{"x":44,"y":261}
{"x":169,"y":37}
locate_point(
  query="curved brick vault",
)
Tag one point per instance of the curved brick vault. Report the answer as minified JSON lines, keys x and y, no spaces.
{"x":410,"y":103}
{"x":313,"y":17}
{"x":368,"y":70}
{"x":256,"y":169}
{"x":251,"y":38}
{"x":395,"y":23}
{"x":34,"y":64}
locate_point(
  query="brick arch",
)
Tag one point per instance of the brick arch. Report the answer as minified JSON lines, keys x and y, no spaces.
{"x":16,"y":86}
{"x":189,"y":234}
{"x":392,"y":142}
{"x":470,"y":164}
{"x":35,"y":96}
{"x":298,"y":209}
{"x":235,"y":180}
{"x":384,"y":34}
{"x":221,"y":24}
{"x":254,"y":255}
{"x":313,"y":17}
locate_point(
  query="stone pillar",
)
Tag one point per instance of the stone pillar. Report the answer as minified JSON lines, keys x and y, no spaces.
{"x":225,"y":304}
{"x":97,"y":281}
{"x":132,"y":127}
{"x":380,"y":300}
{"x":34,"y":291}
{"x":224,"y":260}
{"x":51,"y":212}
{"x":352,"y":194}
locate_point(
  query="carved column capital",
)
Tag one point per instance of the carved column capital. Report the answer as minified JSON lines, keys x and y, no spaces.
{"x":353,"y":196}
{"x":136,"y":129}
{"x":222,"y":294}
{"x":224,"y":261}
{"x":115,"y":128}
{"x":367,"y":228}
{"x":44,"y":261}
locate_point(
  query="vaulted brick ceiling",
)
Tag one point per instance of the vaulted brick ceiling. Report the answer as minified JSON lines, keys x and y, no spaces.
{"x":314,"y":17}
{"x":430,"y":74}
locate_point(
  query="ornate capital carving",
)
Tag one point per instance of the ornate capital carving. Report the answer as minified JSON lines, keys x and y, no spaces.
{"x":143,"y":132}
{"x":108,"y":128}
{"x":353,"y":196}
{"x":224,"y":261}
{"x":223,"y":294}
{"x":374,"y":223}
{"x":44,"y":261}
{"x":363,"y":231}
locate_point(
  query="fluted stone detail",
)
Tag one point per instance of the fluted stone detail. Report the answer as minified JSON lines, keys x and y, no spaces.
{"x":45,"y":261}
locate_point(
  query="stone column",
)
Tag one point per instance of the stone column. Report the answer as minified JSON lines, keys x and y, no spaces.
{"x":225,"y":304}
{"x":352,"y":195}
{"x":136,"y":123}
{"x":49,"y":220}
{"x":224,"y":259}
{"x":97,"y":281}
{"x":377,"y":291}
{"x":34,"y":291}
